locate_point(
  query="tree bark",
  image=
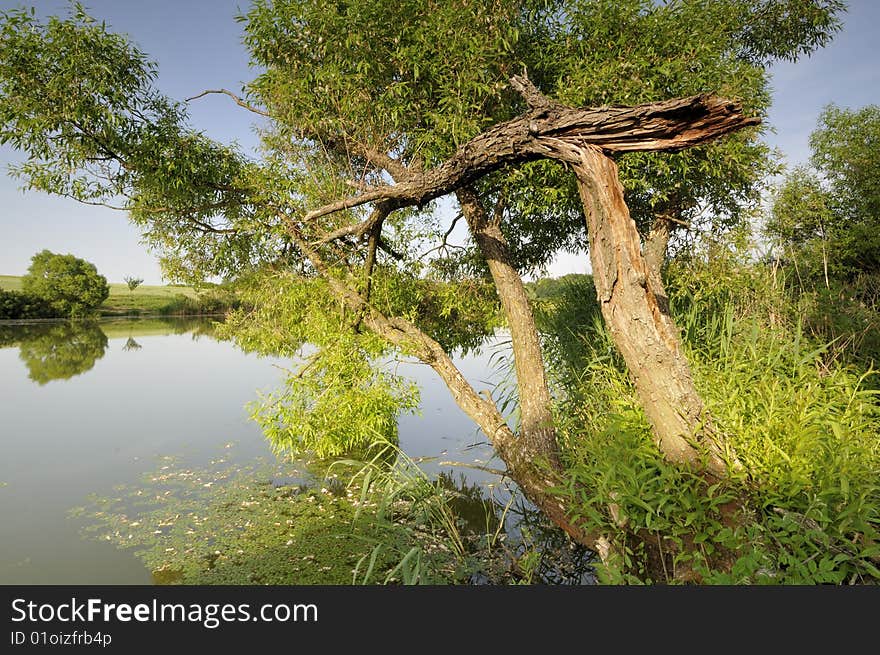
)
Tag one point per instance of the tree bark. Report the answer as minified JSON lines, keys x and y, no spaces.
{"x":656,"y":244}
{"x":646,"y":336}
{"x":537,"y":436}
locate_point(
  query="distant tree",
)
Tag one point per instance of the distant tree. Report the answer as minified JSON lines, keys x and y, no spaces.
{"x":826,"y":217}
{"x":70,"y":285}
{"x":133,"y":282}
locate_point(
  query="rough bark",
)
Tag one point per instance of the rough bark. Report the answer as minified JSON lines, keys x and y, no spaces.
{"x":556,"y":131}
{"x":656,"y":244}
{"x":646,"y":336}
{"x":537,"y":434}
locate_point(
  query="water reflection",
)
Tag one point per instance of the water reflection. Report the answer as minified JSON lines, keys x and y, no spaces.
{"x":61,"y":351}
{"x":131,"y":344}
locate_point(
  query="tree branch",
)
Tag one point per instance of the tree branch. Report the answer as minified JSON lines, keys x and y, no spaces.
{"x":376,"y":217}
{"x":536,"y":100}
{"x":388,"y":250}
{"x":238,"y":100}
{"x":559,"y":132}
{"x":400,"y":172}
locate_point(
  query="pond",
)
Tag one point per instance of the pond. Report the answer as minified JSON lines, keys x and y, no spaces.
{"x":89,"y":407}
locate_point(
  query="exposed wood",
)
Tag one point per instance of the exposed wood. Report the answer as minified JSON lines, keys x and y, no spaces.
{"x":645,"y":335}
{"x":559,"y":132}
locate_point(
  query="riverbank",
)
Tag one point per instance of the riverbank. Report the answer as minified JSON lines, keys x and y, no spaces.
{"x":154,"y":300}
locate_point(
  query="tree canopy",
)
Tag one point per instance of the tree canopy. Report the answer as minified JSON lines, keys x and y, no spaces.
{"x":69,"y":285}
{"x":827,"y":216}
{"x":411,"y":80}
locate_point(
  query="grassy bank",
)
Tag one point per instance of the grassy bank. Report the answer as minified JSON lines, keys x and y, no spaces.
{"x":145,"y":300}
{"x":802,"y":416}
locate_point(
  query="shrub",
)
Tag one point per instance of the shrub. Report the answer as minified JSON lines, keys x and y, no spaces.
{"x":21,"y":305}
{"x":806,"y":508}
{"x":71,"y":286}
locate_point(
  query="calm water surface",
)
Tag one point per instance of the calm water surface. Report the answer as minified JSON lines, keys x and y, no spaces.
{"x":85,"y":408}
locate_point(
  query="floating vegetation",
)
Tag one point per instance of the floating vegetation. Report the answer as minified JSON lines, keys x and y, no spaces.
{"x":276,"y":524}
{"x":237,"y":525}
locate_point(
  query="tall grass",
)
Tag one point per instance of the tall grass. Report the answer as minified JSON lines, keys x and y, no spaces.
{"x":806,"y":426}
{"x":439,"y":545}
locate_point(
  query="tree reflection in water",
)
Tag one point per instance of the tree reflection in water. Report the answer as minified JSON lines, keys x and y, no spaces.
{"x":131,"y":344}
{"x":61,"y":350}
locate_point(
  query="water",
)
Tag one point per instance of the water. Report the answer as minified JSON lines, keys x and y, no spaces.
{"x":86,"y":408}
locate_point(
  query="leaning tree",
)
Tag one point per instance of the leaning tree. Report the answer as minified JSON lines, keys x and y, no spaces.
{"x":370,"y":113}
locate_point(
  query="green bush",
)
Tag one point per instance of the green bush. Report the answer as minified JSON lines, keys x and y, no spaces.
{"x":69,"y":285}
{"x":215,"y":301}
{"x":21,"y":305}
{"x":805,"y":425}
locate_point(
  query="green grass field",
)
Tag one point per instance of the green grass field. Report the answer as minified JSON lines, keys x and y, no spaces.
{"x":10,"y":282}
{"x":145,"y":299}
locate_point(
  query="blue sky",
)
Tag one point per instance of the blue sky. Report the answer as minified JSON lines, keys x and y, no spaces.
{"x":197,"y":45}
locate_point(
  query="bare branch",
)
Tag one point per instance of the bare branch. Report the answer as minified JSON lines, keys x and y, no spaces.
{"x":395,"y":168}
{"x":238,"y":100}
{"x":376,"y":217}
{"x":536,"y":100}
{"x":384,"y":247}
{"x":444,"y":245}
{"x":371,"y":260}
{"x":94,"y":203}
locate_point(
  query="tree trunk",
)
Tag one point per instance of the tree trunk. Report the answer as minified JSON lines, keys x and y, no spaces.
{"x":645,"y":334}
{"x":533,"y":471}
{"x":537,"y":436}
{"x":656,"y":244}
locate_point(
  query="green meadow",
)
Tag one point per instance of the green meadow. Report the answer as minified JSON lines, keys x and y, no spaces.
{"x":147,"y":299}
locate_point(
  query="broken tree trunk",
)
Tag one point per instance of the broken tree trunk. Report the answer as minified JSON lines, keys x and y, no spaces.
{"x":555,"y":131}
{"x":642,"y":330}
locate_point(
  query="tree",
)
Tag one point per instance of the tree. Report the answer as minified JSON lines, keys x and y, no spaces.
{"x":378,"y":109}
{"x":71,"y":286}
{"x":132,"y":282}
{"x":826,"y":217}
